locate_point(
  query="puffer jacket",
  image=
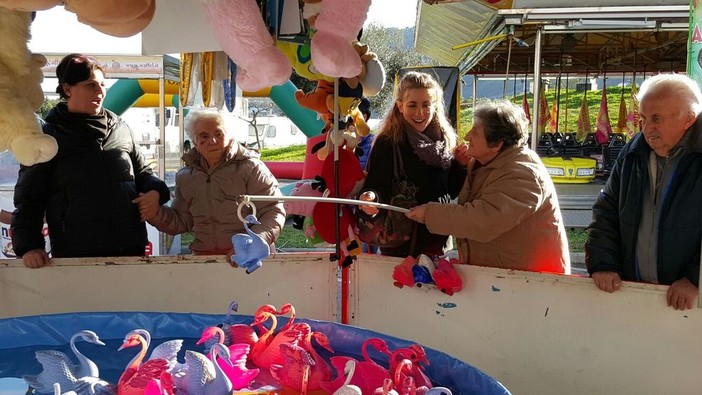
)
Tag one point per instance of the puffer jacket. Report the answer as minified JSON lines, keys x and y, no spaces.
{"x":205,"y":201}
{"x":611,"y":244}
{"x":507,"y":216}
{"x":85,"y":191}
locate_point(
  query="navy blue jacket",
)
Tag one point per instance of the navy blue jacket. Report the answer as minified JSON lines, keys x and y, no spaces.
{"x":611,"y":245}
{"x":85,"y":192}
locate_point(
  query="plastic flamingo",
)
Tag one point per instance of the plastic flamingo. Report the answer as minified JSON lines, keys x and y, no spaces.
{"x":167,"y":350}
{"x":58,"y":367}
{"x":162,"y":386}
{"x":235,"y":369}
{"x":416,"y":354}
{"x":388,"y":388}
{"x":233,"y":308}
{"x":347,"y":388}
{"x":264,"y":340}
{"x":204,"y":377}
{"x":287,"y":309}
{"x":369,"y":374}
{"x":304,"y":369}
{"x":272,"y":354}
{"x":137,"y":374}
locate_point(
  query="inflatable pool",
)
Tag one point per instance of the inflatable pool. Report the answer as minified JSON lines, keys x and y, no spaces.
{"x":21,"y":336}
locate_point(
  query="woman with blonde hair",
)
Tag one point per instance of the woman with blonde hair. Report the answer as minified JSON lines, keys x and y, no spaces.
{"x":416,"y":138}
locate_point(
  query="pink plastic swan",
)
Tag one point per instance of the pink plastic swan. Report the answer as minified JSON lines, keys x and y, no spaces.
{"x":264,"y":340}
{"x":416,"y":354}
{"x":58,"y":367}
{"x":369,"y":374}
{"x":235,"y":369}
{"x":272,"y":354}
{"x":303,"y":368}
{"x":137,"y":375}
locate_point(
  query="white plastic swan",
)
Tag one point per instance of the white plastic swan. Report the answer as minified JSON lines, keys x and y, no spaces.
{"x":58,"y":367}
{"x":202,"y":376}
{"x":167,"y":350}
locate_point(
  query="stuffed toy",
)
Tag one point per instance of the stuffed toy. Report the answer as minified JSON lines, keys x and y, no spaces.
{"x":336,"y":27}
{"x":21,"y":93}
{"x":351,"y":178}
{"x":115,"y":18}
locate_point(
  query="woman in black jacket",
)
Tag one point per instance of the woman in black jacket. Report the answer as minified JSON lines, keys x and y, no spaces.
{"x":86,"y":193}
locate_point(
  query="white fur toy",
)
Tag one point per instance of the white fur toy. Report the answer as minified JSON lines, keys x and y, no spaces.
{"x":21,"y":93}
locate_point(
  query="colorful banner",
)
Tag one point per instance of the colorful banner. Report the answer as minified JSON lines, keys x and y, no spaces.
{"x":525,"y":107}
{"x":633,"y":122}
{"x":544,"y":115}
{"x":583,"y":125}
{"x":694,"y":44}
{"x":603,"y":128}
{"x":553,"y":122}
{"x":621,"y":120}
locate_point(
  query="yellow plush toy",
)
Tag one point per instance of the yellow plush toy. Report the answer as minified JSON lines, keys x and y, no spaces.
{"x":21,"y":93}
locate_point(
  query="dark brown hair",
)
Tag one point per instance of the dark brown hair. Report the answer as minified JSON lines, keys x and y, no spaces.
{"x":75,"y":68}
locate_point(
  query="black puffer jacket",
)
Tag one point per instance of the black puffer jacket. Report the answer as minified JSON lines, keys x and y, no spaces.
{"x":611,"y":245}
{"x":85,"y":191}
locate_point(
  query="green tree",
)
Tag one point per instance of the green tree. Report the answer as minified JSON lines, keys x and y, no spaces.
{"x":46,"y":106}
{"x":395,"y":52}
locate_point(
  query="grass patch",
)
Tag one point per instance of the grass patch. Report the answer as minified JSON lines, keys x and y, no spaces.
{"x":293,"y":153}
{"x":576,"y":239}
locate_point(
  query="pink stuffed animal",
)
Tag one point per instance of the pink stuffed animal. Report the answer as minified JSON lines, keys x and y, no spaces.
{"x":337,"y":25}
{"x":303,"y":208}
{"x":240,"y":30}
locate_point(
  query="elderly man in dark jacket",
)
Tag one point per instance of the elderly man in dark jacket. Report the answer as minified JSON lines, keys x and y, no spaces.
{"x":647,"y":221}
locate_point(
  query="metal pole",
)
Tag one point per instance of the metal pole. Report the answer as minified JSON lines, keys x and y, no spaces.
{"x":537,"y":89}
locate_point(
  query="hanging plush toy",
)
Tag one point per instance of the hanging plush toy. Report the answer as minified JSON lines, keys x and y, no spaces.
{"x":21,"y":93}
{"x":350,"y":181}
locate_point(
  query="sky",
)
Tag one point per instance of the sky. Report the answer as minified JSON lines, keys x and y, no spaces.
{"x":58,"y":31}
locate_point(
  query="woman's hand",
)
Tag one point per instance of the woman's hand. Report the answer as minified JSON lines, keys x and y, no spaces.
{"x":461,"y":154}
{"x":368,"y":196}
{"x":36,"y":258}
{"x":148,"y":205}
{"x":418,"y":213}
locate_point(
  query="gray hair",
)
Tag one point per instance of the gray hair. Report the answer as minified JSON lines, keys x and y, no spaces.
{"x":673,"y":85}
{"x":195,"y":116}
{"x":503,"y":121}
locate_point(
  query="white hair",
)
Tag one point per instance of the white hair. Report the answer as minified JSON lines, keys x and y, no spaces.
{"x":195,"y":116}
{"x":673,"y":85}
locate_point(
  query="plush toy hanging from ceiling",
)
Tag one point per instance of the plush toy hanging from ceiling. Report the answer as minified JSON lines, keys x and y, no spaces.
{"x":20,"y":70}
{"x":242,"y":34}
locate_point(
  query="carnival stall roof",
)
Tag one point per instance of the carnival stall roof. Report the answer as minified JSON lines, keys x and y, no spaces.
{"x":619,"y":35}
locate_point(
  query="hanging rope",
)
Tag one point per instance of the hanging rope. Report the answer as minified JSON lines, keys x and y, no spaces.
{"x":566,"y":104}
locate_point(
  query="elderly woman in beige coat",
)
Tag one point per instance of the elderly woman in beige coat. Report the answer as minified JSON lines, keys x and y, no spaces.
{"x":217,"y":171}
{"x":507,"y":214}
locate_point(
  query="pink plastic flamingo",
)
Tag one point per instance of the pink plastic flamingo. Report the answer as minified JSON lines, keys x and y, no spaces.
{"x":160,"y":386}
{"x":287,"y":308}
{"x":272,"y":354}
{"x":137,"y":375}
{"x":236,"y":370}
{"x":265,"y":339}
{"x":416,"y":355}
{"x":303,"y":368}
{"x":369,"y":374}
